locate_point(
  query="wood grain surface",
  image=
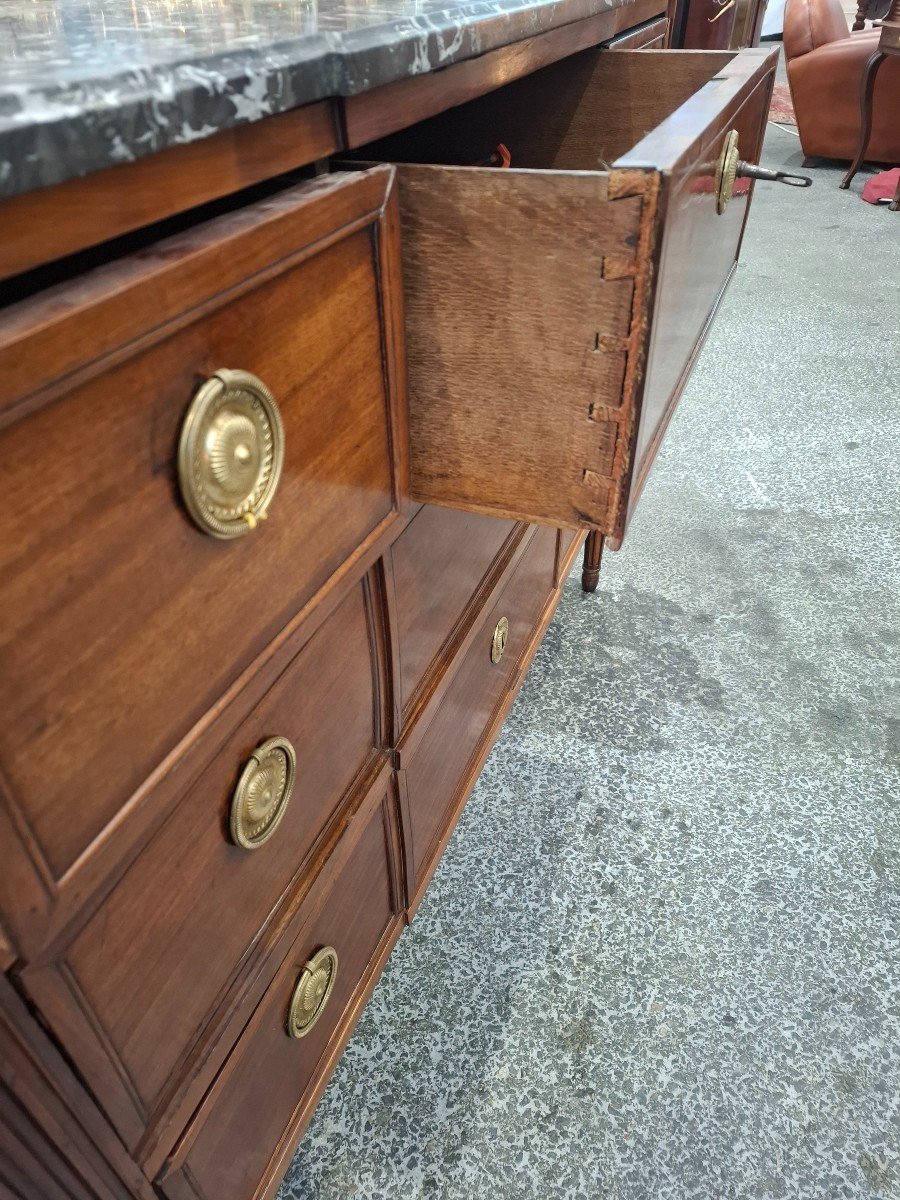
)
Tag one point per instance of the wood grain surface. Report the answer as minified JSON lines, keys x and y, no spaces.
{"x":652,"y":35}
{"x":159,"y":989}
{"x":55,"y":221}
{"x":105,"y":579}
{"x":514,"y":338}
{"x":255,"y":1112}
{"x":441,"y":562}
{"x":535,"y":295}
{"x":700,"y":247}
{"x":54,"y":1144}
{"x":436,"y":754}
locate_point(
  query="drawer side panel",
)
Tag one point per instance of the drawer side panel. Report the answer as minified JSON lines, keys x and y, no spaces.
{"x":518,"y":315}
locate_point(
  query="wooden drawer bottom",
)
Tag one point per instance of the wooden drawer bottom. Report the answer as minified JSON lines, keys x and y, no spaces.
{"x":250,"y":1122}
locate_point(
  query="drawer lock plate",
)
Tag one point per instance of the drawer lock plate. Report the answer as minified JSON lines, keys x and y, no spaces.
{"x":732,"y":167}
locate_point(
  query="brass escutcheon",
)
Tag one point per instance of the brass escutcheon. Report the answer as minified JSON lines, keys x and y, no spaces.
{"x":498,"y":642}
{"x":261,"y":797}
{"x":230,"y":454}
{"x":311,"y":992}
{"x":726,"y":171}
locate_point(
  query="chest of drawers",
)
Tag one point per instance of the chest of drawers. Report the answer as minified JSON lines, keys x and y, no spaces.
{"x":129,"y":627}
{"x":296,"y":488}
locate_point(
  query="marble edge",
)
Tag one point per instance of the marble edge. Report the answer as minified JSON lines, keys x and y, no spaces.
{"x":70,"y":130}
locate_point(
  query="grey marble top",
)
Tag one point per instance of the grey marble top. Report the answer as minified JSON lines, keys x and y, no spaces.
{"x":85,"y":84}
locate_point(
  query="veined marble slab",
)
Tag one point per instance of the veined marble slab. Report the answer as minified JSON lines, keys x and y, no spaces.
{"x":86,"y":84}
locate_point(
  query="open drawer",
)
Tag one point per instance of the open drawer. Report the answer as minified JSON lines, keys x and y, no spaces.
{"x":554,"y":309}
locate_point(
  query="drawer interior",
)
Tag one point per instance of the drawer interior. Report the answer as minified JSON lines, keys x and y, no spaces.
{"x":554,"y":309}
{"x":580,"y":114}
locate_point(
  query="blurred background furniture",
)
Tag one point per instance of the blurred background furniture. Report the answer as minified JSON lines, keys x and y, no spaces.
{"x":748,"y":22}
{"x":888,"y":47}
{"x":826,"y":64}
{"x":870,"y":10}
{"x":715,"y":24}
{"x":708,"y":24}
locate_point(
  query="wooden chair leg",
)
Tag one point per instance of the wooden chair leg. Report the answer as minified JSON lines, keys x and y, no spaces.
{"x":593,"y":552}
{"x":866,"y":88}
{"x":859,"y":21}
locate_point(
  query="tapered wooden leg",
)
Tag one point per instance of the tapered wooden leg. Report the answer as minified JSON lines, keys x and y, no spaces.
{"x":859,"y":21}
{"x":866,"y":88}
{"x":590,"y":571}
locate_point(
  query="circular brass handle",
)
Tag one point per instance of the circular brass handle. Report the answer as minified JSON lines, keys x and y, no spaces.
{"x":230,"y":453}
{"x":498,"y":642}
{"x":312,"y":991}
{"x":261,"y":797}
{"x":726,"y":171}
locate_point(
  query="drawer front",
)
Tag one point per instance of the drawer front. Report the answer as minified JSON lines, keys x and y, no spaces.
{"x":54,"y":1144}
{"x":441,"y":757}
{"x":651,"y":35}
{"x":162,"y":962}
{"x":249,"y":1124}
{"x":123,"y":622}
{"x":699,"y":248}
{"x":441,"y":562}
{"x":567,"y":547}
{"x":554,"y":309}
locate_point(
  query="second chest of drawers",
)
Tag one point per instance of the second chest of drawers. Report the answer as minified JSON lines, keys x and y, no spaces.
{"x":440,"y":754}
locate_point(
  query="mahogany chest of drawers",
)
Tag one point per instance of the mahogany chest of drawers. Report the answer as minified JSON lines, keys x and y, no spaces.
{"x":294,"y":488}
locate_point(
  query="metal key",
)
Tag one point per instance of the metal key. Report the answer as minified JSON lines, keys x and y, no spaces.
{"x":747,"y":170}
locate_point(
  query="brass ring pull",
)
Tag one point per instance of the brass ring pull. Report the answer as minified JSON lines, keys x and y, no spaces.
{"x":261,"y":797}
{"x":230,"y":454}
{"x":498,"y":642}
{"x":312,"y":991}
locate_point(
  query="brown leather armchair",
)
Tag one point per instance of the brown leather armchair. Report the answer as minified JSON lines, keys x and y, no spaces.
{"x":825,"y":64}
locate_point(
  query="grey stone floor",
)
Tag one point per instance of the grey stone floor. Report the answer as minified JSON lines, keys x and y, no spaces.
{"x":660,"y":957}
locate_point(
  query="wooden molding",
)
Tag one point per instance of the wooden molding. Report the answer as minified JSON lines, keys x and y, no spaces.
{"x":377,"y":113}
{"x":52,"y":222}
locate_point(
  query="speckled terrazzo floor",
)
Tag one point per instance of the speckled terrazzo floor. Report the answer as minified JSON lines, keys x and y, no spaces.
{"x":661,"y":957}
